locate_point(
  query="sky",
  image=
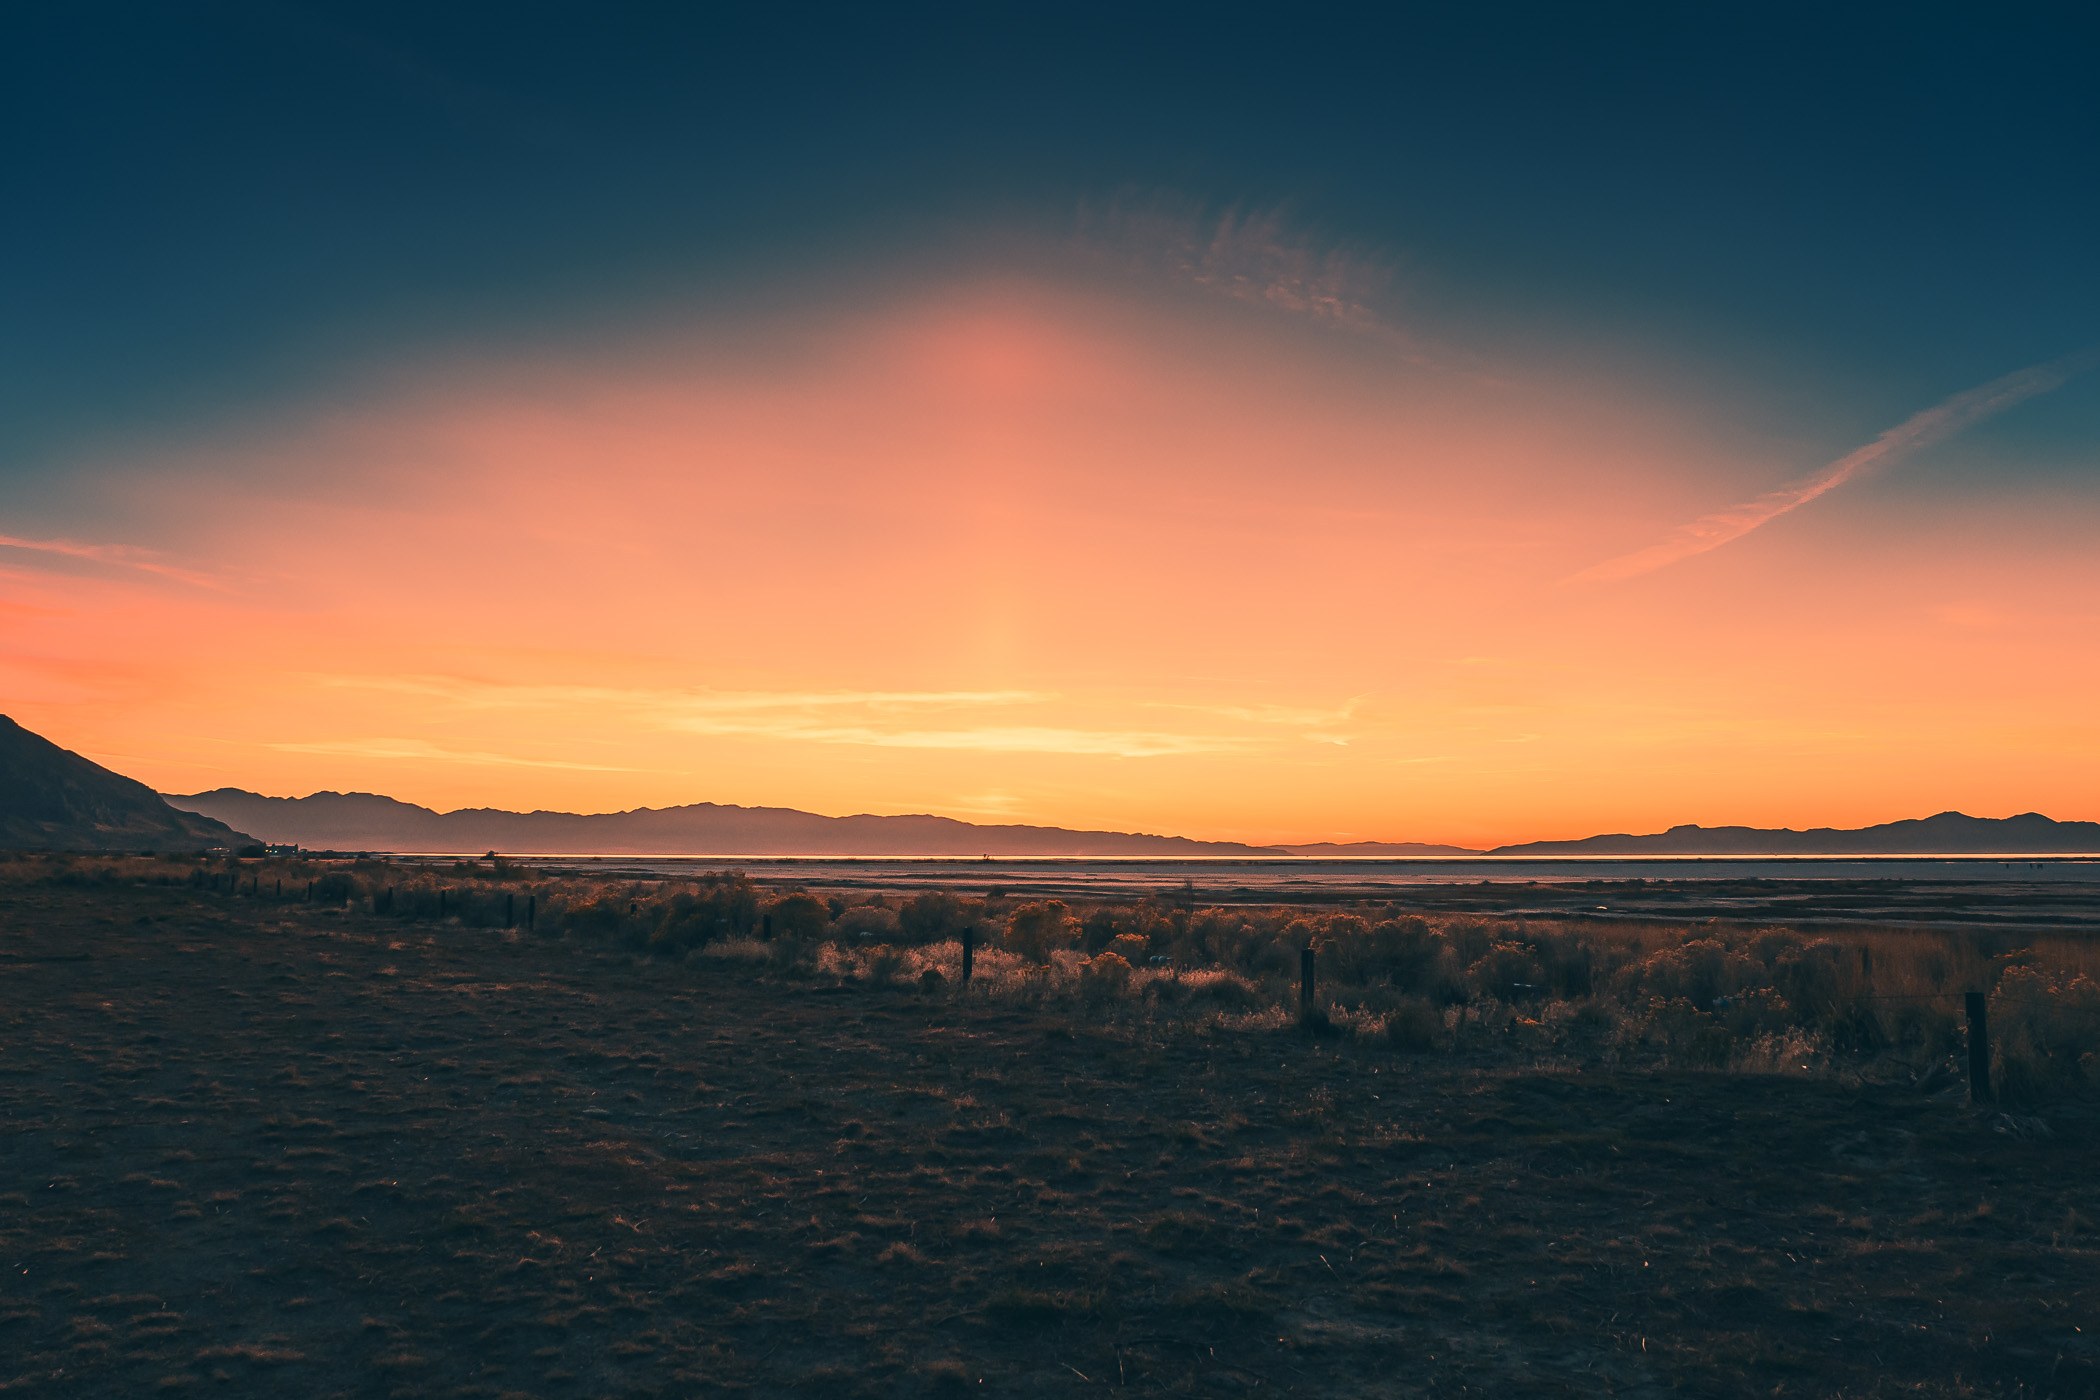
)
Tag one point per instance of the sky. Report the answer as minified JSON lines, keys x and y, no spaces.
{"x":1483,"y":424}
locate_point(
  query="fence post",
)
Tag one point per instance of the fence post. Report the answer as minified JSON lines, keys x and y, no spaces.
{"x":969,"y":941}
{"x":309,"y":891}
{"x":1305,"y":981}
{"x":510,"y":911}
{"x":280,"y":889}
{"x":1979,"y":1048}
{"x":532,"y":910}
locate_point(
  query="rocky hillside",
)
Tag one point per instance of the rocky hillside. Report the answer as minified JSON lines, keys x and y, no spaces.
{"x":53,"y":799}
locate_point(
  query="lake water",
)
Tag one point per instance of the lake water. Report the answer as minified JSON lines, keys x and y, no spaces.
{"x":1283,"y":879}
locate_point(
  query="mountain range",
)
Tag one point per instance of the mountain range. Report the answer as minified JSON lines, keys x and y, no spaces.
{"x":1949,"y":833}
{"x":362,"y":821}
{"x":365,"y":822}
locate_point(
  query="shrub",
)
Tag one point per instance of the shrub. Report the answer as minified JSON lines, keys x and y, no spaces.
{"x":1035,"y":931}
{"x":336,"y":887}
{"x":1567,"y":964}
{"x":927,"y":918}
{"x":1218,"y":987}
{"x":723,"y":906}
{"x":799,"y":916}
{"x":1508,"y":972}
{"x":1413,"y":1025}
{"x":1403,"y":952}
{"x":599,"y":918}
{"x":870,"y":919}
{"x":1684,"y":1031}
{"x":884,"y":963}
{"x":1130,"y":947}
{"x":2047,"y":1033}
{"x":1697,"y":972}
{"x":1105,"y":976}
{"x":1469,"y":940}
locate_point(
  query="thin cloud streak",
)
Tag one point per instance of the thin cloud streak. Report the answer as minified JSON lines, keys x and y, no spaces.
{"x":420,"y":751}
{"x":1934,"y":425}
{"x":1268,"y":714}
{"x":788,"y":715}
{"x":123,"y":555}
{"x":988,"y":739}
{"x":503,"y":695}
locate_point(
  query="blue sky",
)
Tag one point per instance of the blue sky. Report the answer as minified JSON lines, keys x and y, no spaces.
{"x":215,"y":203}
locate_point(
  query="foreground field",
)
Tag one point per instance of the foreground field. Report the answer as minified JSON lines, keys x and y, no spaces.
{"x":265,"y":1147}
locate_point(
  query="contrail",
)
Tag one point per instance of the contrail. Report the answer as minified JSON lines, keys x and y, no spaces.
{"x":1932,"y":426}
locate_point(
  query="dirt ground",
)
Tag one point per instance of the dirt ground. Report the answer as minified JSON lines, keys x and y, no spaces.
{"x":254,"y":1148}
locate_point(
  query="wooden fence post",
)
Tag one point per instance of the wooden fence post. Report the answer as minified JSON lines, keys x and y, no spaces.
{"x":1305,"y":981}
{"x":969,"y":942}
{"x":1979,"y":1048}
{"x":510,"y":910}
{"x":309,"y":891}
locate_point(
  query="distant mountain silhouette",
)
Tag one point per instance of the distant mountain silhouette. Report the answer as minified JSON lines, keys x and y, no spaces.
{"x":1949,"y":833}
{"x":53,"y":799}
{"x":1379,"y":848}
{"x":361,"y":821}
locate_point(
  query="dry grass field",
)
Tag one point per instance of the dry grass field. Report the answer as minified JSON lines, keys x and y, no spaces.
{"x":261,"y":1147}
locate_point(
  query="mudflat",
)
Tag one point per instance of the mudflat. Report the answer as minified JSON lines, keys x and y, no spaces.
{"x":249,"y":1147}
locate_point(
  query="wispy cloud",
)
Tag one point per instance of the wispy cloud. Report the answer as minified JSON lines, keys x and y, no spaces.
{"x":421,"y":751}
{"x":481,"y":694}
{"x":1319,"y":726}
{"x":987,"y":738}
{"x":124,"y":555}
{"x":988,"y":804}
{"x":1248,"y":254}
{"x":1934,"y":425}
{"x":1270,"y":714}
{"x":817,"y":717}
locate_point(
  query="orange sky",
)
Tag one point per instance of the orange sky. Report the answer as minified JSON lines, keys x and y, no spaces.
{"x":1036,"y":549}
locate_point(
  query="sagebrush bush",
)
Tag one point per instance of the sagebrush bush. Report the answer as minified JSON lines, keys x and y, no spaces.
{"x":798,"y":915}
{"x":2047,"y":1028}
{"x":937,"y":914}
{"x":336,"y":887}
{"x":1035,"y":931}
{"x":871,"y":921}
